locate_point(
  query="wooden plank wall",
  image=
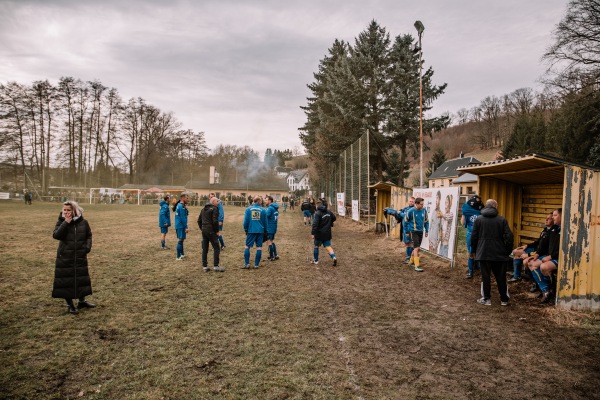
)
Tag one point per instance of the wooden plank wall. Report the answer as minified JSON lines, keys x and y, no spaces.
{"x":538,"y":201}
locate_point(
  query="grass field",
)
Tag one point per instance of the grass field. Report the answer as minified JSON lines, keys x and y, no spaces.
{"x":367,"y":329}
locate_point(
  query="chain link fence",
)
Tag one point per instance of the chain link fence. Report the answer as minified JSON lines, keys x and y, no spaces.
{"x":350,"y":175}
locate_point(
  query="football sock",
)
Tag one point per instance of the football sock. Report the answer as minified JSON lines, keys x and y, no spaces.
{"x":246,"y":256}
{"x":258,"y":256}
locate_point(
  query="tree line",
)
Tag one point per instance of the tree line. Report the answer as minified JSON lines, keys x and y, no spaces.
{"x":83,"y":134}
{"x":370,"y":86}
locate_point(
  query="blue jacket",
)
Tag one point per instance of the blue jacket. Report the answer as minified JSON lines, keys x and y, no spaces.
{"x":470,"y":215}
{"x":221,"y":212}
{"x":164,"y":215}
{"x":181,"y":217}
{"x":255,"y":219}
{"x":416,"y":220}
{"x":402,"y":213}
{"x":272,"y":215}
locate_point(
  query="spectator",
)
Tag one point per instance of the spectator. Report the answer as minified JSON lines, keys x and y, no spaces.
{"x":543,"y":267}
{"x":524,"y":252}
{"x":491,"y":243}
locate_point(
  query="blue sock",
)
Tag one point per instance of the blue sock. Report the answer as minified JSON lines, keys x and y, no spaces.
{"x":537,"y":277}
{"x":270,"y":251}
{"x":162,"y":243}
{"x":545,"y":283}
{"x":316,"y":253}
{"x":471,"y":264}
{"x":274,"y":250}
{"x":258,"y":256}
{"x":179,"y":248}
{"x":517,"y":267}
{"x":221,"y":240}
{"x":246,"y":256}
{"x":409,"y":251}
{"x":332,"y":255}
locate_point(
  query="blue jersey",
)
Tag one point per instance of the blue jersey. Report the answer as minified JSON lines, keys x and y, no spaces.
{"x":470,"y":215}
{"x":255,"y":219}
{"x":402,"y":213}
{"x":164,"y":215}
{"x":181,"y":216}
{"x":416,"y":220}
{"x":272,"y":216}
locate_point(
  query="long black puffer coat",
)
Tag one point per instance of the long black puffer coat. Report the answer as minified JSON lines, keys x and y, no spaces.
{"x":71,"y":277}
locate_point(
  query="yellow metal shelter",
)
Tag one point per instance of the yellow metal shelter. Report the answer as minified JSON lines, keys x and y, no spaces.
{"x":389,"y":195}
{"x":529,"y":187}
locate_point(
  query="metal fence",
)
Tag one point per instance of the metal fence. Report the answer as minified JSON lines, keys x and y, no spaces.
{"x":350,"y":175}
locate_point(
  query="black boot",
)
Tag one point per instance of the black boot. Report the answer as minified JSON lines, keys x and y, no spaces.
{"x":70,"y":307}
{"x":84,"y":304}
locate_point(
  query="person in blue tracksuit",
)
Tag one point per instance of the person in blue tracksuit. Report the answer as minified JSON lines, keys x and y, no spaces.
{"x":408,"y":243}
{"x":181,"y":224}
{"x":221,"y":219}
{"x":417,"y":223}
{"x":470,"y":211}
{"x":255,"y":226}
{"x":272,"y":217}
{"x":164,"y":221}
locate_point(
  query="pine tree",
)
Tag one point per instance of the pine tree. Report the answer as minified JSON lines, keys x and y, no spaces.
{"x":438,"y":158}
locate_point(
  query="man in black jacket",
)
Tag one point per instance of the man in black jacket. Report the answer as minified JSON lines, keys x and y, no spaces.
{"x":321,"y":231}
{"x":491,"y":243}
{"x":208,"y":222}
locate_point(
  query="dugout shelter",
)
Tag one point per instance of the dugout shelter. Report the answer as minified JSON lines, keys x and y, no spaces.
{"x":529,"y":187}
{"x":388,"y":194}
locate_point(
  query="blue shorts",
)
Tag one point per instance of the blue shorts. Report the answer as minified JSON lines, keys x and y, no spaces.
{"x":252,"y":238}
{"x":306,"y":213}
{"x":181,"y":234}
{"x":406,"y":239}
{"x":325,"y":243}
{"x":164,"y":229}
{"x":271,"y":236}
{"x":528,"y":250}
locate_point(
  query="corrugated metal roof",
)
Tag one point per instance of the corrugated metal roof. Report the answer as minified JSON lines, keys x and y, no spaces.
{"x":524,"y":170}
{"x":465,"y":178}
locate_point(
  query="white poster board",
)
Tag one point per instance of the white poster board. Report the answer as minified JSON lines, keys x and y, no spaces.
{"x":442,"y":208}
{"x":341,"y":204}
{"x":355,"y":212}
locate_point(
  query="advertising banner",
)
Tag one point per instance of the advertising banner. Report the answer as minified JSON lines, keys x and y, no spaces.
{"x":355,"y":212}
{"x":341,"y":204}
{"x":442,"y":208}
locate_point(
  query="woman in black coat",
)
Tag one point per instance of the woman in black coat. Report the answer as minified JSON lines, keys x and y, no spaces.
{"x":71,"y":277}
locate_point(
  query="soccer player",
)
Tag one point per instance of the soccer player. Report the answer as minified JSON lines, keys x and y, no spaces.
{"x":408,"y":243}
{"x":417,"y":223}
{"x":272,"y":217}
{"x":164,"y":221}
{"x":255,"y":226}
{"x":321,"y":231}
{"x":470,"y":211}
{"x":181,"y":224}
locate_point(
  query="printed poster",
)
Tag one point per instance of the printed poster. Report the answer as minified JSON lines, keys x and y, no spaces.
{"x":442,"y":208}
{"x":355,"y":212}
{"x":341,"y":204}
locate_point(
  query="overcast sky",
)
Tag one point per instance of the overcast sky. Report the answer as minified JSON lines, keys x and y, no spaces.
{"x":238,"y":70}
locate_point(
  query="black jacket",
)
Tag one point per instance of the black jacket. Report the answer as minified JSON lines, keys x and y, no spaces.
{"x":491,"y":238}
{"x":71,"y":276}
{"x":541,"y":242}
{"x":322,"y":223}
{"x":305,"y":206}
{"x":553,"y":243}
{"x":208,"y":220}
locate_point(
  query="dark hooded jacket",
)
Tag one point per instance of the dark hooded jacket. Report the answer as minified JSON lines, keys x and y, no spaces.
{"x":491,"y":239}
{"x":208,"y":220}
{"x":71,"y":276}
{"x":322,"y":223}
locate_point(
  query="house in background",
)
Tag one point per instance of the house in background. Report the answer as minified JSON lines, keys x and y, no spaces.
{"x":446,"y":173}
{"x":468,"y":183}
{"x":283,"y":171}
{"x":298,"y":180}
